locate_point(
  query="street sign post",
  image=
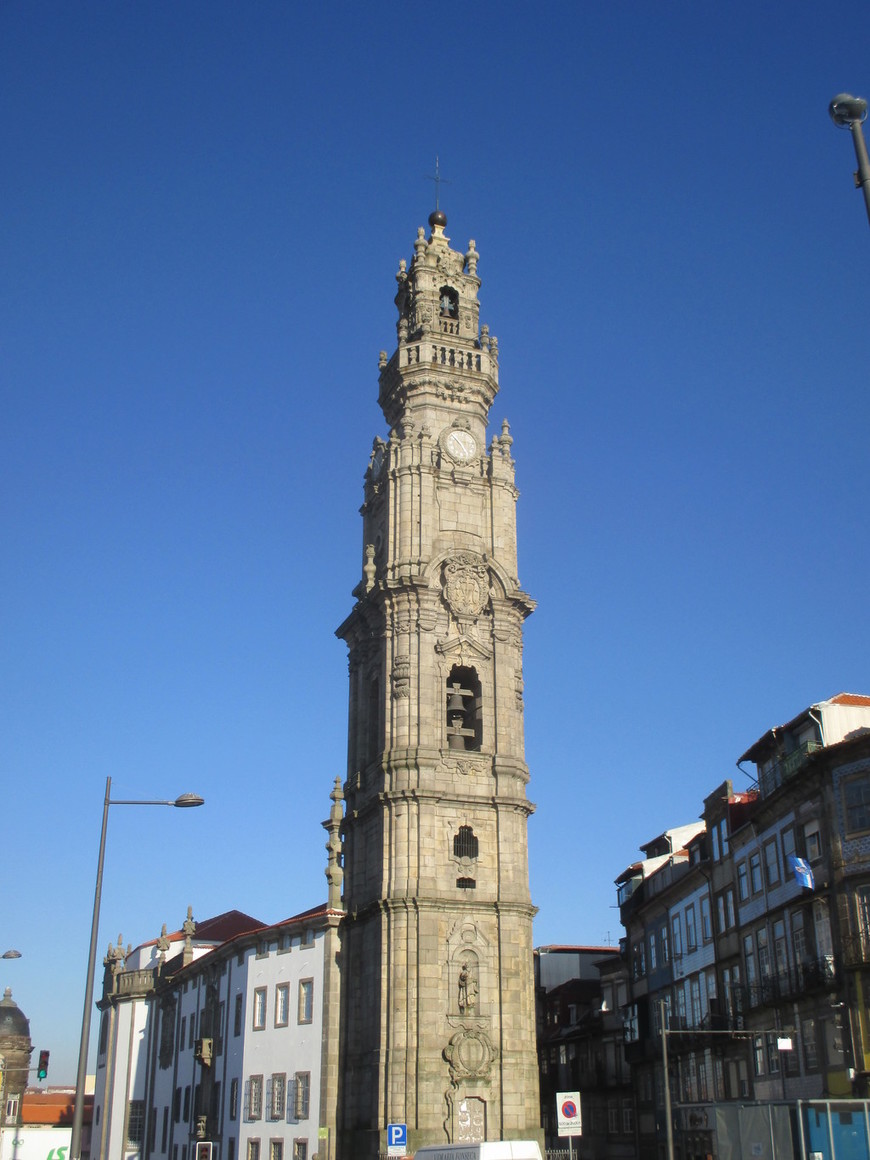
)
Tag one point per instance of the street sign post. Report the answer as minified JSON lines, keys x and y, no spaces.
{"x":397,"y":1139}
{"x":570,"y":1122}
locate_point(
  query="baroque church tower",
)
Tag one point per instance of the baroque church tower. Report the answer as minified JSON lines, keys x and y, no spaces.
{"x":438,"y":1019}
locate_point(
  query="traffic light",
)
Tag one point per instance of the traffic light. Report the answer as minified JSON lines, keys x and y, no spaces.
{"x":42,"y":1066}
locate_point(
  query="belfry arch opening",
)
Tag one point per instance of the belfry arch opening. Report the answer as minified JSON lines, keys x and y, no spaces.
{"x":464,"y":713}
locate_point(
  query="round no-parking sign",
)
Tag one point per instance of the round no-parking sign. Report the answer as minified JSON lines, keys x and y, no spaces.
{"x":568,"y":1114}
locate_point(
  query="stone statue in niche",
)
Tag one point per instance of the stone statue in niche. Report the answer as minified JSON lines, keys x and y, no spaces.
{"x":467,"y":988}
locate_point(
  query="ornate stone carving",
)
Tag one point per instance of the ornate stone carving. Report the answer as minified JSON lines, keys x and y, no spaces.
{"x":466,"y":585}
{"x":369,"y":568}
{"x":401,"y":676}
{"x":470,"y":1054}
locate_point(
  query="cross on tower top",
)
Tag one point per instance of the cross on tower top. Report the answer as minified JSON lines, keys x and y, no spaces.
{"x":439,"y":181}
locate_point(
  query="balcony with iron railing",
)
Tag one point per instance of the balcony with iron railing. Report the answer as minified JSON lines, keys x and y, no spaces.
{"x":804,"y":978}
{"x":787,"y":767}
{"x":856,"y":949}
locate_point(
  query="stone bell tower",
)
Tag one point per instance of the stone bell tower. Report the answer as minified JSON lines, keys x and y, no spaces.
{"x":438,"y":1022}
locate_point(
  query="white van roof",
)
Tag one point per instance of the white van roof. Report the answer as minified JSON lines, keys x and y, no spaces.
{"x":486,"y":1150}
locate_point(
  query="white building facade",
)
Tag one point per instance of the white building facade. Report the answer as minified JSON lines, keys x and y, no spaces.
{"x":213,"y":1047}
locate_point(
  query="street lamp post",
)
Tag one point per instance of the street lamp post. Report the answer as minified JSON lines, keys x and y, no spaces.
{"x":850,"y":112}
{"x":185,"y":800}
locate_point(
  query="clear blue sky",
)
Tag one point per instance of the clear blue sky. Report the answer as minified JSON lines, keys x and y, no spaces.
{"x":204,"y":206}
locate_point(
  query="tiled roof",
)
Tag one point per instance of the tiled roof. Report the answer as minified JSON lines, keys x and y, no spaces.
{"x":52,"y":1107}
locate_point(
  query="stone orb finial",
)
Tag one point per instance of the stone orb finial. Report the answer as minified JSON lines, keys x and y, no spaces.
{"x":438,"y":218}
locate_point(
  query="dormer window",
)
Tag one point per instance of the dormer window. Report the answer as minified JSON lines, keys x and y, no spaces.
{"x":449,"y":302}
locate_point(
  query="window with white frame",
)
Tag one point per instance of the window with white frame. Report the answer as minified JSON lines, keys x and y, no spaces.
{"x":255,"y":1097}
{"x":812,"y":842}
{"x":771,"y":862}
{"x":306,"y":1001}
{"x":677,"y":925}
{"x":706,"y":920}
{"x":282,"y":1004}
{"x":742,"y":881}
{"x":691,"y":934}
{"x":755,"y":880}
{"x":664,"y":944}
{"x":259,"y":1009}
{"x":278,"y":1096}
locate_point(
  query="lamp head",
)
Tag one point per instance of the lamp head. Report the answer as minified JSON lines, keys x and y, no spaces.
{"x":187,"y":800}
{"x":847,"y":110}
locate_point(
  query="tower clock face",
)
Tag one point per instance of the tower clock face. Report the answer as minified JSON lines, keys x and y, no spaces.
{"x":461,"y":446}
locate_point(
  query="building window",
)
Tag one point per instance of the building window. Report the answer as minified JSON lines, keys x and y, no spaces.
{"x":186,"y":1115}
{"x":788,"y":846}
{"x":466,"y":883}
{"x":278,"y":1101}
{"x":798,"y":939}
{"x":104,"y":1031}
{"x":276,"y":1150}
{"x":164,"y":1134}
{"x":255,"y":1097}
{"x":678,"y":936}
{"x":300,"y":1150}
{"x":663,"y":944}
{"x":238,"y":1015}
{"x":639,"y":959}
{"x":176,"y":1105}
{"x":706,"y":920}
{"x":755,"y":872}
{"x":465,"y":844}
{"x":749,"y":965}
{"x":725,"y":910}
{"x":253,"y":1150}
{"x":653,"y":961}
{"x":723,"y":835}
{"x":234,"y":1099}
{"x":856,"y":797}
{"x":12,"y":1110}
{"x":192,"y":1034}
{"x":630,"y":1024}
{"x":771,"y":863}
{"x":259,"y":1021}
{"x":306,"y":1001}
{"x":231,"y":1148}
{"x":812,"y":842}
{"x":183,"y":1036}
{"x":761,"y":942}
{"x":691,"y":934}
{"x":282,"y":1004}
{"x":136,"y":1121}
{"x":808,"y":1035}
{"x":758,"y":1053}
{"x":772,"y":1055}
{"x":742,"y":881}
{"x":303,"y":1091}
{"x":612,"y":1117}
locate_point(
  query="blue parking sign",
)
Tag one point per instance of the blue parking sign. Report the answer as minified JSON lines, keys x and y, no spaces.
{"x":397,"y":1139}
